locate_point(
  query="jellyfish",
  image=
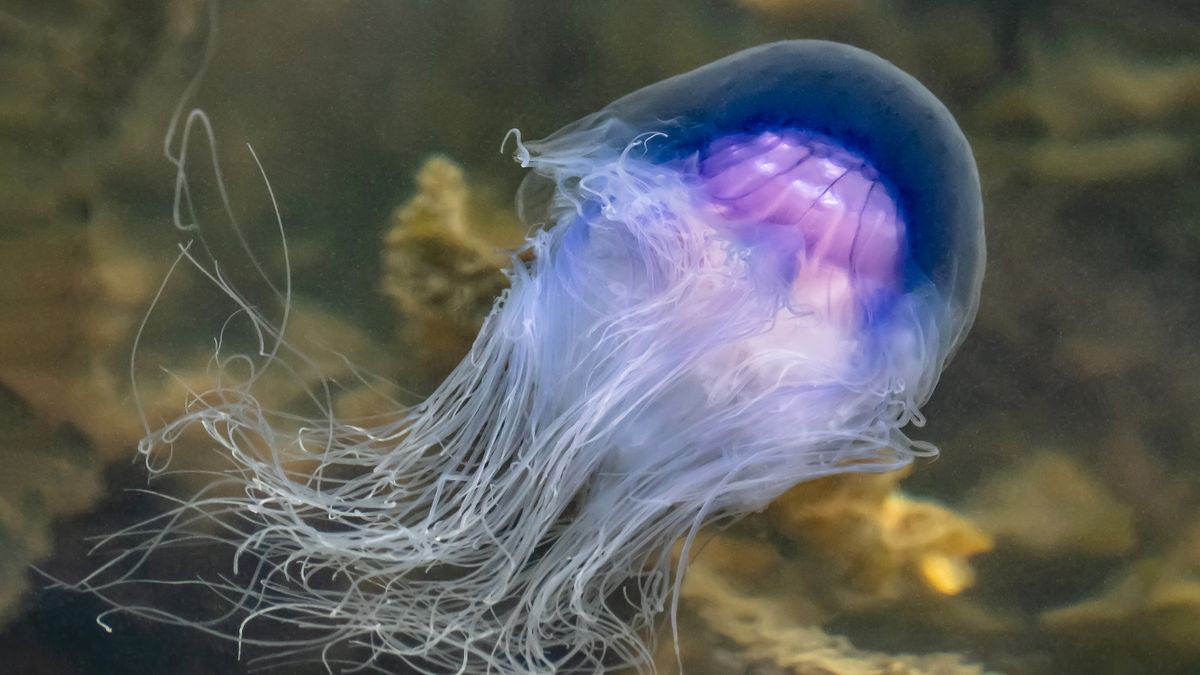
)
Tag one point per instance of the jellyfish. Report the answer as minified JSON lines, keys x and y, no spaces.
{"x":736,"y":280}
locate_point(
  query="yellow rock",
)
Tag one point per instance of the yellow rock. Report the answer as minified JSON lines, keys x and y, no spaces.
{"x":888,"y":544}
{"x":944,"y":574}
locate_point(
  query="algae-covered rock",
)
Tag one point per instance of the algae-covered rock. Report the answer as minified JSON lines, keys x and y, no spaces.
{"x":85,"y":243}
{"x":755,"y":597}
{"x":441,"y":272}
{"x":1050,"y":504}
{"x":1093,"y":110}
{"x":1149,"y":614}
{"x":70,"y":297}
{"x":49,"y":473}
{"x":885,"y":543}
{"x":727,"y":630}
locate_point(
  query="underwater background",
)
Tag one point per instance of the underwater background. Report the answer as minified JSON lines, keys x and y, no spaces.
{"x":1058,"y":532}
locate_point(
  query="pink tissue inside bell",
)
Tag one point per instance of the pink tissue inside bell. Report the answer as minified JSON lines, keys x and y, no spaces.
{"x":843,"y":222}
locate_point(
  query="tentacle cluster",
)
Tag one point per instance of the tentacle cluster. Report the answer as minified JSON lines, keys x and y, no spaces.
{"x":650,"y":368}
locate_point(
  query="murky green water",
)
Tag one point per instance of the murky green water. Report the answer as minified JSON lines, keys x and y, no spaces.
{"x":1059,"y":530}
